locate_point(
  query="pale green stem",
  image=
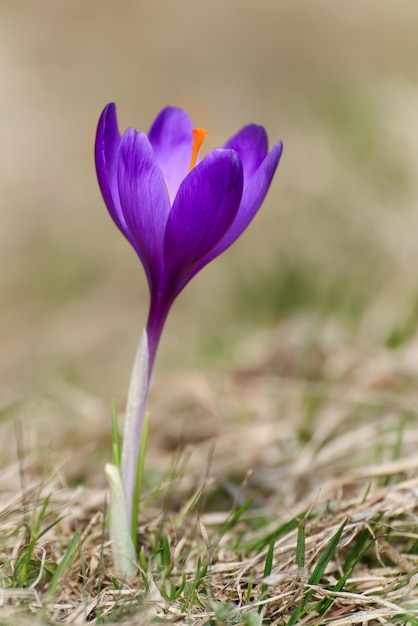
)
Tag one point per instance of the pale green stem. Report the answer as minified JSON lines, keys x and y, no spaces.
{"x":135,"y":413}
{"x":122,"y":546}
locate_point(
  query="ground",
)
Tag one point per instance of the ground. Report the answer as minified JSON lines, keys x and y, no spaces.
{"x":281,"y":474}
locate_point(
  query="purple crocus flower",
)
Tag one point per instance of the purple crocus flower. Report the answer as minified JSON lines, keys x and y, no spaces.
{"x":178,"y":213}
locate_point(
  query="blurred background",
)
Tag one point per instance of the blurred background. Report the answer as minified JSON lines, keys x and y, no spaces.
{"x":335,"y":243}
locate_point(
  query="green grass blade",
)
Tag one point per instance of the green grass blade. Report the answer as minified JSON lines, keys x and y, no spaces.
{"x":231,"y":521}
{"x":100,"y":570}
{"x":283,"y":529}
{"x":323,"y":606}
{"x":51,"y":525}
{"x":318,"y":572}
{"x":326,"y":556}
{"x":191,"y":597}
{"x":269,"y":560}
{"x":300,"y":545}
{"x":116,"y":439}
{"x":66,"y":562}
{"x":139,"y":477}
{"x":268,"y":565}
{"x":37,"y":525}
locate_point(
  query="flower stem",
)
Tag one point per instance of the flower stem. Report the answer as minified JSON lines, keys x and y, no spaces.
{"x":124,"y":556}
{"x":136,"y":420}
{"x":157,"y":315}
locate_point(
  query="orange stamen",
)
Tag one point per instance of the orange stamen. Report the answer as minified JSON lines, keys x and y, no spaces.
{"x":198,"y":136}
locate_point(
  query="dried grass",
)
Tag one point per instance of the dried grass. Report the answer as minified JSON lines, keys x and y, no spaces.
{"x":312,"y":454}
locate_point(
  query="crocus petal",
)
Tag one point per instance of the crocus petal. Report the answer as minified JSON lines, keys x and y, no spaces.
{"x":106,"y":154}
{"x":144,"y":201}
{"x":172,"y":140}
{"x":252,"y":198}
{"x":205,"y":207}
{"x":251,"y":144}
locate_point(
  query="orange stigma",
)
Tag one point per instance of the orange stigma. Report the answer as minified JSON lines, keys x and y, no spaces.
{"x":198,"y":136}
